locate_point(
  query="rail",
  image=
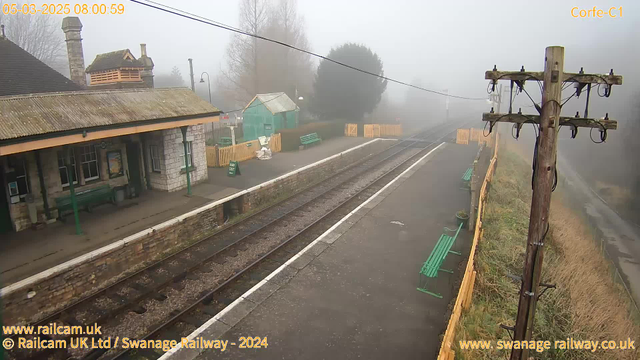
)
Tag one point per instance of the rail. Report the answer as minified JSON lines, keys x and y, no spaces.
{"x":186,"y":313}
{"x":153,"y":291}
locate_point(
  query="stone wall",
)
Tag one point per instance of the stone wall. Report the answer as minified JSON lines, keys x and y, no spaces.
{"x":311,"y":175}
{"x":171,"y":176}
{"x":92,"y":271}
{"x":59,"y":286}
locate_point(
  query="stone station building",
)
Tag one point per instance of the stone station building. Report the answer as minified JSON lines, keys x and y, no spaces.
{"x":127,"y":140}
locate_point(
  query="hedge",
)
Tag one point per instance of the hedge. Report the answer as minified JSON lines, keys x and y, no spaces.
{"x":325,"y":129}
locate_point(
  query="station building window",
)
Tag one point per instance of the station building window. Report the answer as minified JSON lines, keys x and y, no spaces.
{"x":156,"y":157}
{"x":189,"y":154}
{"x":18,"y":179}
{"x":64,"y":173}
{"x":89,"y":162}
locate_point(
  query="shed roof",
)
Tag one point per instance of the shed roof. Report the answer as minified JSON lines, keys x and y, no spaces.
{"x":38,"y":114}
{"x":22,"y":73}
{"x":276,"y":102}
{"x":114,"y":60}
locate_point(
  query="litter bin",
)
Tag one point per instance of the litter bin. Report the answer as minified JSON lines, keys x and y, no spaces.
{"x":120,"y":195}
{"x":31,"y":206}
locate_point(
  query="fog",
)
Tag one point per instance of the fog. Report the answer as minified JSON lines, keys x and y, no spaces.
{"x":439,"y":45}
{"x":447,"y":44}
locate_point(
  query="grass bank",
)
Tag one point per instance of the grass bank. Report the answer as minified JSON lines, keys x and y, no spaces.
{"x":587,"y":304}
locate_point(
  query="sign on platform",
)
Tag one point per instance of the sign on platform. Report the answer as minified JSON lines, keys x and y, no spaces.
{"x":234,"y":169}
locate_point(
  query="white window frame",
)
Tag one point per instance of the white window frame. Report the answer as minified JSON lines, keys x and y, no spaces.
{"x":156,"y":158}
{"x":73,"y":162}
{"x":84,"y":153}
{"x":189,"y":152}
{"x":22,"y":162}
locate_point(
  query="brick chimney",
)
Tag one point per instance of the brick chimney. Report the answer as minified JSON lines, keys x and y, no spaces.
{"x":72,"y":27}
{"x":147,"y":73}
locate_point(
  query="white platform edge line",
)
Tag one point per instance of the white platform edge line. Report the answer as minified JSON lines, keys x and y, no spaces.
{"x":275,"y":272}
{"x":139,"y":235}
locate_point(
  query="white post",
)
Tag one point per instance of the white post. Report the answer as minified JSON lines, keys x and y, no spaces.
{"x":233,"y":135}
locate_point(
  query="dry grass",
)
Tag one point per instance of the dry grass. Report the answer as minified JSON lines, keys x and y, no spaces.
{"x":588,"y":304}
{"x":616,"y":196}
{"x":599,"y":306}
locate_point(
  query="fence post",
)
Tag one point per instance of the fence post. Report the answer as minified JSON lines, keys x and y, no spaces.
{"x":216,"y":151}
{"x":469,"y":295}
{"x":475,"y":195}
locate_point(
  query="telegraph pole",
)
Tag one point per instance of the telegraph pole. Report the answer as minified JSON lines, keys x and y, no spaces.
{"x":542,"y":186}
{"x":544,"y":177}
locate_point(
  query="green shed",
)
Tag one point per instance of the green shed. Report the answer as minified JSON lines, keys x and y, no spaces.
{"x":267,"y":113}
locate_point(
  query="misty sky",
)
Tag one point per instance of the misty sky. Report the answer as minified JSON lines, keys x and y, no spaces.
{"x":445,"y":44}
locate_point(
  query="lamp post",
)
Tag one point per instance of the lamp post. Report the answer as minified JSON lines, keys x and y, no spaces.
{"x":299,"y":98}
{"x":208,"y":81}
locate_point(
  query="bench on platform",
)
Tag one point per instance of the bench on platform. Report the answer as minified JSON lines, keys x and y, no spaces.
{"x":85,"y":199}
{"x":432,"y":266}
{"x":310,"y":139}
{"x":467,"y":175}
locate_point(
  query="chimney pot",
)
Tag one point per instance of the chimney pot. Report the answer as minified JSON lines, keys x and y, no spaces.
{"x":72,"y":28}
{"x":143,"y":50}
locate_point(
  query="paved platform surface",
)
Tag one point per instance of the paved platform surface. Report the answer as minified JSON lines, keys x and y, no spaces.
{"x":257,"y":171}
{"x":28,"y":252}
{"x":353,"y":294}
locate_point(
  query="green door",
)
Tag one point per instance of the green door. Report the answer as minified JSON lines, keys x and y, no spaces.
{"x":133,"y":161}
{"x":5,"y":217}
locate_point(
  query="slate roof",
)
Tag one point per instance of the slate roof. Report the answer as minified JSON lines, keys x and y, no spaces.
{"x":22,"y":73}
{"x":37,"y":114}
{"x":113,"y":60}
{"x":275,"y":102}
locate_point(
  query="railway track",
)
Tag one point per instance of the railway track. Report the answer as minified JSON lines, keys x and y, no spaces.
{"x":174,"y":296}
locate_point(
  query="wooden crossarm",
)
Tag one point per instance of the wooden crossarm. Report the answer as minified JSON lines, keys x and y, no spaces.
{"x":564,"y":120}
{"x":605,"y":79}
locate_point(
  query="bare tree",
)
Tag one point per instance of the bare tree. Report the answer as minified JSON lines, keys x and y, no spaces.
{"x":256,"y":66}
{"x":241,"y":76}
{"x":39,"y":35}
{"x":292,"y":71}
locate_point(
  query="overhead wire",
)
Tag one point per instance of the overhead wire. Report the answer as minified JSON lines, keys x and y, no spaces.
{"x":207,"y":21}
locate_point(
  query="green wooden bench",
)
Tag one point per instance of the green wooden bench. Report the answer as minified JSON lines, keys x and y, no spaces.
{"x":85,"y":199}
{"x":310,"y":139}
{"x":467,"y":175}
{"x":431,"y":267}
